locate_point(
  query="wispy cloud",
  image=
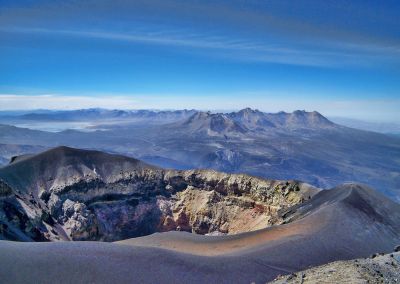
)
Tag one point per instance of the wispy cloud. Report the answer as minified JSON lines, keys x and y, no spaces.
{"x":238,"y":49}
{"x":322,"y":34}
{"x":56,"y":102}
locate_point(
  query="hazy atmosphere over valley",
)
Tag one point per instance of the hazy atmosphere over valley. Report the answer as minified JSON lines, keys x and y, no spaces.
{"x":199,"y":141}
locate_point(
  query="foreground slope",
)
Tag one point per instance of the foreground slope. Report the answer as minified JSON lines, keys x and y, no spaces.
{"x":347,"y":222}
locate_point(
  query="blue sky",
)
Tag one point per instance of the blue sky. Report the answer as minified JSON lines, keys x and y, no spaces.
{"x":338,"y":57}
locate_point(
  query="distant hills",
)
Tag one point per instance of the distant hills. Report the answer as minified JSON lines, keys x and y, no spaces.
{"x":300,"y":145}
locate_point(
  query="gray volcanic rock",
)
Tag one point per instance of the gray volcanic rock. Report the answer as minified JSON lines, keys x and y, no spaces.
{"x":21,"y":219}
{"x":90,"y":195}
{"x":379,"y":269}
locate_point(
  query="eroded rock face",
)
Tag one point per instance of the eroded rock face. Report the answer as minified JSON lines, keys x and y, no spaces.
{"x":206,"y":212}
{"x":141,"y":203}
{"x":21,"y":219}
{"x":215,"y":203}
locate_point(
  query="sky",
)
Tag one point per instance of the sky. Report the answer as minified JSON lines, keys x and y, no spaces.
{"x":341,"y":58}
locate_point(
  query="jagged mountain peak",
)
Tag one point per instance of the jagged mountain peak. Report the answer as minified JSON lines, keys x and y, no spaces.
{"x":213,"y":124}
{"x":249,"y":110}
{"x":314,"y":119}
{"x":251,"y":119}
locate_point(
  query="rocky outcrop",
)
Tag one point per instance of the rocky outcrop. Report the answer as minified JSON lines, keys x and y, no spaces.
{"x":209,"y":212}
{"x":22,"y":219}
{"x":141,"y":203}
{"x":97,"y":196}
{"x":16,"y":219}
{"x":380,"y":268}
{"x":202,"y":202}
{"x":215,"y":202}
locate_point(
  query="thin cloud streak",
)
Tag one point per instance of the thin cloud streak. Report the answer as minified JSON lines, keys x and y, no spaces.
{"x":58,"y":102}
{"x":238,"y":49}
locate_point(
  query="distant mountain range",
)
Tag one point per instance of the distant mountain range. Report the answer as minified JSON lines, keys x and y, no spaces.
{"x":96,"y":114}
{"x":300,"y":145}
{"x":246,"y":116}
{"x":251,"y":119}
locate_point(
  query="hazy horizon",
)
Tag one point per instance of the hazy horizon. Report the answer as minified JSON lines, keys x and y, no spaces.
{"x":365,"y":110}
